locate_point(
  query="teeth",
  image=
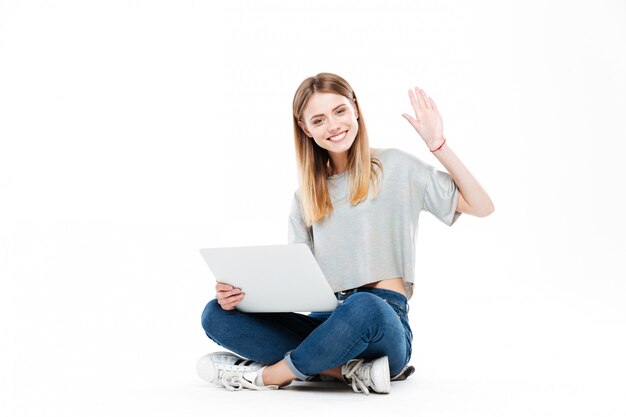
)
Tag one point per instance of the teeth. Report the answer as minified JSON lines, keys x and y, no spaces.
{"x":338,"y":137}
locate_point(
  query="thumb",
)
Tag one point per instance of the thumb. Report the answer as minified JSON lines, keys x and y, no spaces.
{"x":410,"y":120}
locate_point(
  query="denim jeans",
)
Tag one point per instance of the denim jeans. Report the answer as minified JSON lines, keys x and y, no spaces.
{"x":370,"y":323}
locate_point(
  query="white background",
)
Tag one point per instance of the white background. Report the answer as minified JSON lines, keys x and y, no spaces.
{"x":134,"y":133}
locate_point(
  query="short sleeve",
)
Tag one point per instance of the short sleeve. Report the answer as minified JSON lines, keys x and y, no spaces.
{"x":298,"y":231}
{"x":441,"y":196}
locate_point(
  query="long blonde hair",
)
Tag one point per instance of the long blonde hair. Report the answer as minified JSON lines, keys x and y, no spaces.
{"x":314,"y":163}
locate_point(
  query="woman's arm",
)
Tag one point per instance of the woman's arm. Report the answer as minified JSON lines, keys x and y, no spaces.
{"x":473,"y":199}
{"x":428,"y":123}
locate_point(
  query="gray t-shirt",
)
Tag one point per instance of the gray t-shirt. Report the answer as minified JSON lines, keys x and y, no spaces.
{"x":375,"y":239}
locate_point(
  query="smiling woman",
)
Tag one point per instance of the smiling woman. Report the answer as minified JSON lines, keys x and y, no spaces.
{"x":331,"y":126}
{"x":360,"y":222}
{"x":325,"y":110}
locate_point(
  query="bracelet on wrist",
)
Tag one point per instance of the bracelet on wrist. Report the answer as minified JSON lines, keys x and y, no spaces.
{"x":440,"y":146}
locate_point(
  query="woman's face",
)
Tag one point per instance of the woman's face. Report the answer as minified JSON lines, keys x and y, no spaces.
{"x":331,"y":120}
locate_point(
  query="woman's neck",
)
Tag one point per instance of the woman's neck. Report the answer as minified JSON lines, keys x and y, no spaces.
{"x":338,"y":163}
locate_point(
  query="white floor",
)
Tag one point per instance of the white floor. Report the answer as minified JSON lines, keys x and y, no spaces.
{"x":187,"y":396}
{"x":83,"y":337}
{"x":129,"y":349}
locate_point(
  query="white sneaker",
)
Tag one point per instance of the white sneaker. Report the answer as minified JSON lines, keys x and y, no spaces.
{"x":232,"y":372}
{"x":362,"y":375}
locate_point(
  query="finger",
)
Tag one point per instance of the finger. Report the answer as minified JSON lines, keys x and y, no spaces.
{"x":231,"y":302}
{"x":432,"y":103}
{"x":421,"y":99}
{"x":415,"y":104}
{"x":229,"y":291}
{"x":227,"y":306}
{"x":226,"y":294}
{"x":426,"y":99}
{"x":223,"y":287}
{"x":229,"y":298}
{"x":225,"y":301}
{"x":411,"y":120}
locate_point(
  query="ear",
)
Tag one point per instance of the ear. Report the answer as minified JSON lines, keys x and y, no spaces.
{"x":304,"y":129}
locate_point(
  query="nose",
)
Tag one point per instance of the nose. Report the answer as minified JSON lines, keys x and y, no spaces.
{"x":333,"y":127}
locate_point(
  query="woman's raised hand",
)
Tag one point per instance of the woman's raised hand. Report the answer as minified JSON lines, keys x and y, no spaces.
{"x":427,"y":122}
{"x":228,"y":296}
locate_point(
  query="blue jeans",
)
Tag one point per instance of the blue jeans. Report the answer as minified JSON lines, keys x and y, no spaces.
{"x":370,"y":323}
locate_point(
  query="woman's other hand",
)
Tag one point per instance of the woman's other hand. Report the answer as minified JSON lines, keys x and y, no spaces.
{"x":428,"y":122}
{"x":228,"y":296}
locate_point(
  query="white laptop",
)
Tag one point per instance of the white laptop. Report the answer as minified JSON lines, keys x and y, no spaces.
{"x":274,"y":278}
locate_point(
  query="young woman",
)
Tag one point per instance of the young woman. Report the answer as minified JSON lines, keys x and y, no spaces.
{"x":357,"y":208}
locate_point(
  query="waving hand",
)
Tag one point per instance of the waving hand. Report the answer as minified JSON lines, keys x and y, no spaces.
{"x":427,"y":121}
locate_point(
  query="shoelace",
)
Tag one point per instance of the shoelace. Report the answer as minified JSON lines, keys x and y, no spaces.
{"x":234,"y":381}
{"x":355,"y":374}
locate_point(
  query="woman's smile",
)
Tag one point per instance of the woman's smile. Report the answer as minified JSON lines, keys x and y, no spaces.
{"x":339,"y":137}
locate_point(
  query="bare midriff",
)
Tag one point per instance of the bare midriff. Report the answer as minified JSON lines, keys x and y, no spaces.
{"x":393,"y":284}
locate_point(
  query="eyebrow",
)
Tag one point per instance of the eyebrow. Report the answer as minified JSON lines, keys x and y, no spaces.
{"x":316,"y":115}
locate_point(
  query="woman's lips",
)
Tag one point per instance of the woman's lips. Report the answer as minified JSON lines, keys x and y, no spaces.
{"x":339,"y":137}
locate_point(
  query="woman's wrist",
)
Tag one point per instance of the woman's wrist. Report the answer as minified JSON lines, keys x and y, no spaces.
{"x":440,"y":146}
